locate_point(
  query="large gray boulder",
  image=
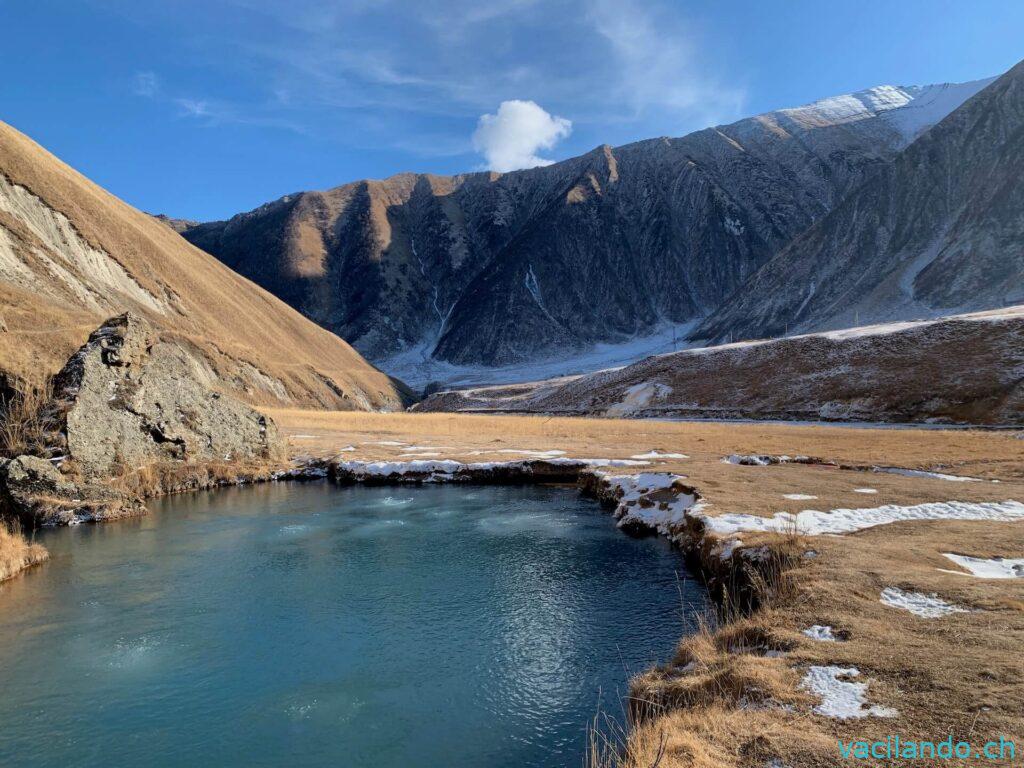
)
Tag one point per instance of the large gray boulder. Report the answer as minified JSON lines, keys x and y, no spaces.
{"x":35,"y":491}
{"x":128,"y":399}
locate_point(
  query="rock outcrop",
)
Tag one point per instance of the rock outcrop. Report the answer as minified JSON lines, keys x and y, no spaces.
{"x":128,"y":399}
{"x":132,"y":415}
{"x":35,"y":491}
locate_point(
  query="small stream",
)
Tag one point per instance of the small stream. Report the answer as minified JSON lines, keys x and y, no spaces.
{"x":311,"y":625}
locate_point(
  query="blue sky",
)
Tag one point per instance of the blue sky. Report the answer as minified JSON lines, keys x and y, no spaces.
{"x":205,"y":108}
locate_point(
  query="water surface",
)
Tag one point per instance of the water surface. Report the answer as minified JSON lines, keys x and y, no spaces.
{"x":308,"y":625}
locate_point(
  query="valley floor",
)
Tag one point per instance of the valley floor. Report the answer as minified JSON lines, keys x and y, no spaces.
{"x":866,"y":635}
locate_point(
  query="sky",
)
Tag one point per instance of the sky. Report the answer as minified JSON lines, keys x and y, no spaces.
{"x":201,"y":109}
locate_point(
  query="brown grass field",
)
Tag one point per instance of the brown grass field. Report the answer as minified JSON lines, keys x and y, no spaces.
{"x":721,"y":701}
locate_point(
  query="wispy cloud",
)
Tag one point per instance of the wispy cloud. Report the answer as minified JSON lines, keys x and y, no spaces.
{"x":194,"y":107}
{"x":431,"y":68}
{"x":658,"y":63}
{"x":145,"y":84}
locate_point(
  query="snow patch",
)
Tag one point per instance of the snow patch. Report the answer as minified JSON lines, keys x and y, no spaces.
{"x":821,"y":632}
{"x":762,"y":460}
{"x":865,"y":490}
{"x":989,"y":567}
{"x":841,"y":699}
{"x":799,"y":496}
{"x":919,"y":604}
{"x":644,"y":503}
{"x":658,"y":455}
{"x":639,"y":396}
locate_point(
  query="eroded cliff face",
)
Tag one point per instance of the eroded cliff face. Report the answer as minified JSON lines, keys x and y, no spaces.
{"x":496,"y":269}
{"x":72,"y":255}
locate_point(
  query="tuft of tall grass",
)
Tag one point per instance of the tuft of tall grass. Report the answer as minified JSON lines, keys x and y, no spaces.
{"x":16,"y":552}
{"x":25,"y":421}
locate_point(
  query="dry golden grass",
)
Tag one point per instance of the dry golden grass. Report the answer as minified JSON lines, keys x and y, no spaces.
{"x":163,"y":478}
{"x":757,"y":490}
{"x":17,"y":553}
{"x":737,"y":706}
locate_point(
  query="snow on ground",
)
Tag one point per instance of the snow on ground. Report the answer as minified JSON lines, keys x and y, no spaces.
{"x":925,"y":473}
{"x":820,"y":632}
{"x":812,"y":522}
{"x":865,"y":490}
{"x":419,"y":454}
{"x":384,"y":442}
{"x":760,"y":459}
{"x":989,"y":568}
{"x":442,"y":468}
{"x":919,"y":604}
{"x":658,"y":455}
{"x":841,"y":699}
{"x":799,"y":497}
{"x":637,"y":505}
{"x":416,"y":368}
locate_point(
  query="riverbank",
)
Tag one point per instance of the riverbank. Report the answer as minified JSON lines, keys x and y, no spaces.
{"x":844,"y":563}
{"x":857,"y":621}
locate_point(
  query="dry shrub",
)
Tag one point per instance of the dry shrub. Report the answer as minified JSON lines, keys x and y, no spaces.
{"x":25,"y":422}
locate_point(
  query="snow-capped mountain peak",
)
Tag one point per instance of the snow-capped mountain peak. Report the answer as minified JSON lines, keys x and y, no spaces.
{"x":908,"y":109}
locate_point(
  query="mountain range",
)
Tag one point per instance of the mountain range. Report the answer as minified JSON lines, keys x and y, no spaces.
{"x":429,"y":276}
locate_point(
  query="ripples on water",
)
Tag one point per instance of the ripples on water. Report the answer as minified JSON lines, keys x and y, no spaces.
{"x":316,"y":626}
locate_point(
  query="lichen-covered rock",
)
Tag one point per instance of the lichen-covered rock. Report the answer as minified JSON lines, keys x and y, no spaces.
{"x":128,"y":399}
{"x":35,"y":491}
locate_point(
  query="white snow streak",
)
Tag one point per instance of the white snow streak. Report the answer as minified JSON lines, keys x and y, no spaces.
{"x":919,"y":604}
{"x":812,"y":522}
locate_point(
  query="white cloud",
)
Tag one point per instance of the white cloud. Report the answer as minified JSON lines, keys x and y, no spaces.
{"x":510,"y":138}
{"x":145,"y":84}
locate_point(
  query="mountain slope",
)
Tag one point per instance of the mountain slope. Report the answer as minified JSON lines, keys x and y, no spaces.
{"x":72,"y":255}
{"x":940,"y":229}
{"x":961,"y":369}
{"x":498,"y":269}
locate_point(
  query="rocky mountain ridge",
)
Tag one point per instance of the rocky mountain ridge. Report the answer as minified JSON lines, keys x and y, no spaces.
{"x":492,"y":269}
{"x":938,"y":230}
